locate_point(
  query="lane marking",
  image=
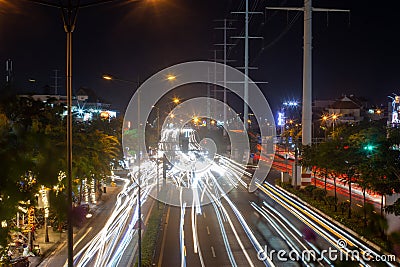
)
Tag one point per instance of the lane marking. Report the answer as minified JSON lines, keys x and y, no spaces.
{"x":208,"y":230}
{"x":213,"y":252}
{"x":204,"y":215}
{"x":284,"y":201}
{"x":77,"y":242}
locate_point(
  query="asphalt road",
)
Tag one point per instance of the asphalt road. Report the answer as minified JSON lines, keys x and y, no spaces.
{"x":275,"y":223}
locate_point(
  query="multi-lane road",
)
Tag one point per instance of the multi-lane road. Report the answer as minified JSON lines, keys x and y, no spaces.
{"x":231,"y":231}
{"x":215,"y":221}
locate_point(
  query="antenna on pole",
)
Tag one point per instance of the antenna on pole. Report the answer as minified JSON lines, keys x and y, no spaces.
{"x":306,"y":121}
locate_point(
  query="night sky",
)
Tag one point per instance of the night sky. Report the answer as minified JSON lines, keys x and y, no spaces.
{"x":351,"y":55}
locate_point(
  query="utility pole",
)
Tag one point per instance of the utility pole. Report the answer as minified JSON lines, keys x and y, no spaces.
{"x":246,"y":61}
{"x":225,"y":61}
{"x":56,"y":86}
{"x":306,"y":120}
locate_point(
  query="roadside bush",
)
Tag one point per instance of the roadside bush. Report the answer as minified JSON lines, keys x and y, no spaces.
{"x":319,"y":194}
{"x":343,"y":206}
{"x":309,"y":189}
{"x":286,"y":186}
{"x":331,"y":201}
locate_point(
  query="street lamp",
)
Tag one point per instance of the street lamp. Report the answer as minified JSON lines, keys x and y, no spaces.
{"x":176,"y":100}
{"x":69,"y":10}
{"x":110,"y":78}
{"x":334,"y":117}
{"x":107,"y":77}
{"x":158,"y":133}
{"x":171,"y":77}
{"x":324,"y":119}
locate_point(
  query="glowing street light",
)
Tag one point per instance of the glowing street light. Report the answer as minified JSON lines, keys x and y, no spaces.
{"x":171,"y":77}
{"x":176,"y":100}
{"x":334,"y":118}
{"x":107,"y":77}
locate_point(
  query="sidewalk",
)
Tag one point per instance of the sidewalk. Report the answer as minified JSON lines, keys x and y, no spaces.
{"x":57,"y":239}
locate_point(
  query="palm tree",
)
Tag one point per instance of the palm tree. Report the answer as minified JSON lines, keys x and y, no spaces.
{"x":94,"y":152}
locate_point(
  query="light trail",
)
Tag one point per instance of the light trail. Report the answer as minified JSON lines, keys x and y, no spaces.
{"x":325,"y":228}
{"x":111,"y":242}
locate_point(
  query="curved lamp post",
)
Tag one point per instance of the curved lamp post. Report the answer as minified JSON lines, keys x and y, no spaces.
{"x":111,"y":78}
{"x":158,"y":134}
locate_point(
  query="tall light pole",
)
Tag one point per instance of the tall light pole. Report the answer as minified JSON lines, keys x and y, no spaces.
{"x":334,"y":117}
{"x":139,"y":191}
{"x":158,"y":134}
{"x":69,"y":11}
{"x":324,"y":119}
{"x":69,"y":15}
{"x":110,"y":78}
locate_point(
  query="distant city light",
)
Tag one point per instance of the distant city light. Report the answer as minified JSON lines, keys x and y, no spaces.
{"x":281,"y":118}
{"x":291,"y":103}
{"x":395,"y":109}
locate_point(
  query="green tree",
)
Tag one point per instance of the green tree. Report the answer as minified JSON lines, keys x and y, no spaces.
{"x":310,"y":159}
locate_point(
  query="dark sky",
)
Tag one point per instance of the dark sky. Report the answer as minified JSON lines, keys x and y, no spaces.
{"x":358,"y":56}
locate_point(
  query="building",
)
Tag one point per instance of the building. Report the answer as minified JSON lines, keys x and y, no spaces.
{"x":86,"y":105}
{"x":348,"y":109}
{"x":394,"y":111}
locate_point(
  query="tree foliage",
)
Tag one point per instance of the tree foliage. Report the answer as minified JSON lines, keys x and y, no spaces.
{"x":32,"y":153}
{"x":367,"y":154}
